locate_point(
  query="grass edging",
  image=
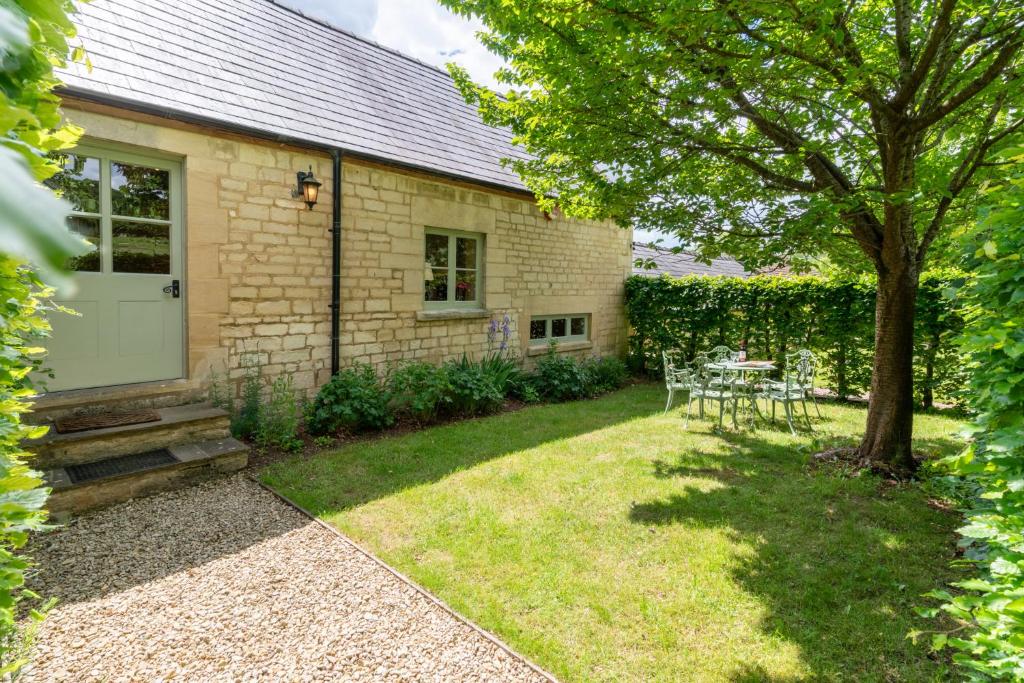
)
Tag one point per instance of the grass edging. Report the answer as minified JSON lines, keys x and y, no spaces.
{"x":403,"y":578}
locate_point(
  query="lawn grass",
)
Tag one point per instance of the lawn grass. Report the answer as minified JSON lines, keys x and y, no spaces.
{"x":604,"y":542}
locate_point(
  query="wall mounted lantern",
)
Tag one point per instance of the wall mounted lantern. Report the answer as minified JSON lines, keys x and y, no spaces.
{"x":308,"y":187}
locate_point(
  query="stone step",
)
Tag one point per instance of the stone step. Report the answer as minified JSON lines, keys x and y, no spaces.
{"x":50,"y":407}
{"x":177,"y":425}
{"x":187,"y":464}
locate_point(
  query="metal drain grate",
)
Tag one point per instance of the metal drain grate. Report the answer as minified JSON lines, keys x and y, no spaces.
{"x":124,"y":464}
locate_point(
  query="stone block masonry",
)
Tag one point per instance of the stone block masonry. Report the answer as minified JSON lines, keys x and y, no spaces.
{"x":258,"y":262}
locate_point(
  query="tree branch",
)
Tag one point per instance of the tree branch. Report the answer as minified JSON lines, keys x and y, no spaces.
{"x":994,"y":70}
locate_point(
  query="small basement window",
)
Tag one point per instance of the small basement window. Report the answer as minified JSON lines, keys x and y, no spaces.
{"x":560,"y":328}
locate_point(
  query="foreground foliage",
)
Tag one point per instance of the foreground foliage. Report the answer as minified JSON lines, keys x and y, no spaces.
{"x":771,"y":131}
{"x":992,"y":604}
{"x":605,"y":543}
{"x":834,"y":317}
{"x":33,"y":37}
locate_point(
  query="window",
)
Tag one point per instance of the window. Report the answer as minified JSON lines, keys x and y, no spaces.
{"x":560,"y":328}
{"x":121,"y":207}
{"x":452,"y":273}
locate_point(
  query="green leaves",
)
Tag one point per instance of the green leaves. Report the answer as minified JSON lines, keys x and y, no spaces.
{"x":754,"y":128}
{"x":33,"y":38}
{"x":991,"y":606}
{"x":832,"y":316}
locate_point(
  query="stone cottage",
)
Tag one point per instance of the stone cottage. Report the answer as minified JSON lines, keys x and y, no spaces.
{"x":262,"y":185}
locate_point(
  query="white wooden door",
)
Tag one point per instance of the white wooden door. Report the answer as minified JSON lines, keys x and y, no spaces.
{"x":128,"y":293}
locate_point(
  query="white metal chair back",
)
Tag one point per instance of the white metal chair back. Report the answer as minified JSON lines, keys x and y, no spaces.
{"x":723,"y":354}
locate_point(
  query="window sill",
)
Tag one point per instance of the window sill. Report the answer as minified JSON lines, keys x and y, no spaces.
{"x":565,"y":347}
{"x":452,"y":314}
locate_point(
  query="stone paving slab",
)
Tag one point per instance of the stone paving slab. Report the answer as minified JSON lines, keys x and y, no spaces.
{"x":225,"y":582}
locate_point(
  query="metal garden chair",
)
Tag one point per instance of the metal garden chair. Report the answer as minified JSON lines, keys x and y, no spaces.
{"x":711,"y":385}
{"x":678,"y":377}
{"x":723,"y":354}
{"x":792,"y":388}
{"x":809,"y":387}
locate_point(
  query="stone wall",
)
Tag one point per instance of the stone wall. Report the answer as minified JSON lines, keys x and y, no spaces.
{"x":533,"y":265}
{"x":258,"y":262}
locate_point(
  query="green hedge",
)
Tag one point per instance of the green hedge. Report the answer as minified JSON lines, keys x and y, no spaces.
{"x":776,"y":315}
{"x":988,"y":641}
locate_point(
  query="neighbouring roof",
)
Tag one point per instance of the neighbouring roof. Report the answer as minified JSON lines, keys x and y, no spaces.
{"x":667,"y":262}
{"x":256,"y":66}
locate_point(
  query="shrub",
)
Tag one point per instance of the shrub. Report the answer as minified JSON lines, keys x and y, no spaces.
{"x":560,"y":378}
{"x":604,"y":374}
{"x":502,"y":369}
{"x":832,"y":316}
{"x":420,"y":390}
{"x":245,"y":423}
{"x":33,"y":38}
{"x":355,"y":399}
{"x":474,"y":387}
{"x":990,"y":607}
{"x":279,"y":416}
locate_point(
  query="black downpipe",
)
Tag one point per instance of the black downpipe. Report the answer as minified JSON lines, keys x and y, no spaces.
{"x":335,"y":261}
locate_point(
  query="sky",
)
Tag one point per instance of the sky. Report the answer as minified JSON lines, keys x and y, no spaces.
{"x":424,"y":30}
{"x":419,"y":28}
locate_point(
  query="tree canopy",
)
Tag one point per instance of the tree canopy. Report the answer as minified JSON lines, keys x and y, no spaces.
{"x":767,"y":130}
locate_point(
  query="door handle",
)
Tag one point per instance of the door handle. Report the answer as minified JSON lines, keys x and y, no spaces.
{"x":174,"y":289}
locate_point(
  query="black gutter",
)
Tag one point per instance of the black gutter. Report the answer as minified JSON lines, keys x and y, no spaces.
{"x":169,"y":113}
{"x":335,"y":259}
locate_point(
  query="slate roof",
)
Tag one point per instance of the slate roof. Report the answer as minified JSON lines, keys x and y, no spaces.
{"x":677,"y":265}
{"x":256,"y":66}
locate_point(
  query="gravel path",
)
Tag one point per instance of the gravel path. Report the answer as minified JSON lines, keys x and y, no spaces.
{"x":226,"y":582}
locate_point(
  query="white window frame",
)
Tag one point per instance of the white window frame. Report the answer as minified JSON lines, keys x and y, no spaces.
{"x":450,"y":302}
{"x":569,"y":337}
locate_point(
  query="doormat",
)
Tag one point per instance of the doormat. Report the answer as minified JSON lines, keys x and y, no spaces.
{"x":84,"y":423}
{"x":125,"y":464}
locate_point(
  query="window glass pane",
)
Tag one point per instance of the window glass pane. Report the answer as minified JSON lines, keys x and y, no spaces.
{"x":78,"y":182}
{"x":89,"y":228}
{"x":538,"y":329}
{"x":558,"y":327}
{"x":437,"y":288}
{"x":465,"y":285}
{"x":139,"y":191}
{"x":465,"y":253}
{"x":437,"y":250}
{"x":141,"y":248}
{"x":577,"y":326}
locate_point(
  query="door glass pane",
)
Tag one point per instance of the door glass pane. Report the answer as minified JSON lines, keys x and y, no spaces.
{"x":437,"y":250}
{"x":578,"y":326}
{"x":139,"y":191}
{"x":538,"y":329}
{"x":141,"y":248}
{"x":558,"y":327}
{"x":465,"y":253}
{"x":465,"y":285}
{"x":89,"y":228}
{"x":78,"y":182}
{"x":437,"y":288}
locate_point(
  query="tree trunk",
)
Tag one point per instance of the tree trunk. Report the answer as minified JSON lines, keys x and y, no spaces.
{"x":887,"y":439}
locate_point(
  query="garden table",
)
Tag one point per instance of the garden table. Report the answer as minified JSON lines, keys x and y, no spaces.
{"x":745,"y":368}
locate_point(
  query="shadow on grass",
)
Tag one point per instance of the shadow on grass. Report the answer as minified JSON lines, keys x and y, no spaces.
{"x":358,"y":474}
{"x":839,"y":563}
